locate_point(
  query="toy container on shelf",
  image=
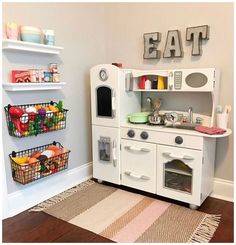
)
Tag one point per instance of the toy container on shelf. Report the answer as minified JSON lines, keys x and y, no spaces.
{"x":33,"y":119}
{"x":36,"y":163}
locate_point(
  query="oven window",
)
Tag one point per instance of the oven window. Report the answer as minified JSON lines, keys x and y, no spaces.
{"x":104,"y":149}
{"x":178,"y":176}
{"x":104,"y":102}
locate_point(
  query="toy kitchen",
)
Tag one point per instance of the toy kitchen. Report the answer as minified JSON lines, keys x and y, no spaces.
{"x":145,"y":138}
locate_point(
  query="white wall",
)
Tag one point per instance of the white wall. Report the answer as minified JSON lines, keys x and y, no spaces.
{"x":127,"y":22}
{"x":80,"y":29}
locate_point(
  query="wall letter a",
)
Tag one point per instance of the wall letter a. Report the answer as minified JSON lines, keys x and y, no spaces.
{"x":173,"y":47}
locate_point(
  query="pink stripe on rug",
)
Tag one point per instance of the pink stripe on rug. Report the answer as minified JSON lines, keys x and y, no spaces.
{"x":135,"y":228}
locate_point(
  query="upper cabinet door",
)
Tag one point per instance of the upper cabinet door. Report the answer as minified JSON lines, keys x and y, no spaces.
{"x":105,"y":101}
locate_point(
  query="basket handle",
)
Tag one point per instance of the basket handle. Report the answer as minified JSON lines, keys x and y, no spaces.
{"x":13,"y":154}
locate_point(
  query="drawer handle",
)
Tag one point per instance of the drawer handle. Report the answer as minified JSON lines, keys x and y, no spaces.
{"x":185,"y":157}
{"x":137,"y":149}
{"x":144,"y":177}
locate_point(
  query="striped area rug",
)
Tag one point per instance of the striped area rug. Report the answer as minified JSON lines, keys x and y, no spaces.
{"x":124,"y":216}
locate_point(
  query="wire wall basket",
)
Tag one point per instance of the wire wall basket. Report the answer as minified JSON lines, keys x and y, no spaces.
{"x":36,"y":163}
{"x":33,"y":119}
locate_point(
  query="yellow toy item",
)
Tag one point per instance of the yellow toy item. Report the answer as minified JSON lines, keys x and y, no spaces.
{"x":160,"y":83}
{"x":53,"y":108}
{"x":21,"y":160}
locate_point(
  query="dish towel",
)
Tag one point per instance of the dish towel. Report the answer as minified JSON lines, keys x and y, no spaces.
{"x":208,"y":130}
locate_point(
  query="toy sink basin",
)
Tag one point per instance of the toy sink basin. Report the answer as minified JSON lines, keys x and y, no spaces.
{"x":189,"y":126}
{"x":139,"y":117}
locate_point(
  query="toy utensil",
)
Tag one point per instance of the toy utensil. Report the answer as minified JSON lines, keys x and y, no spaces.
{"x":219,"y":109}
{"x":227,"y":109}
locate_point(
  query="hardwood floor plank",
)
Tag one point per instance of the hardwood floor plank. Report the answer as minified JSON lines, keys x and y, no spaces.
{"x":81,"y":235}
{"x":224,"y":232}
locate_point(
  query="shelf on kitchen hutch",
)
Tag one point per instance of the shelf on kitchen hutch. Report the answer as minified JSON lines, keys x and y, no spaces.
{"x":164,"y":90}
{"x":32,"y":86}
{"x":31,"y":47}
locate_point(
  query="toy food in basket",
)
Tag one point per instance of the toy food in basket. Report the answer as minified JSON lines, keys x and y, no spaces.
{"x":32,"y":164}
{"x":33,"y":119}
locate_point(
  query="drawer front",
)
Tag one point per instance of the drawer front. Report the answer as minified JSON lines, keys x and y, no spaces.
{"x":164,"y":138}
{"x":180,"y":140}
{"x":138,"y":165}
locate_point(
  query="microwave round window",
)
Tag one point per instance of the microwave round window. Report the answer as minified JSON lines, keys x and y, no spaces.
{"x":103,"y":75}
{"x":196,"y":80}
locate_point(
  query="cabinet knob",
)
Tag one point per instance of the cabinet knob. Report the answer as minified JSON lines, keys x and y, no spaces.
{"x":131,"y":133}
{"x":179,"y":140}
{"x":144,"y":135}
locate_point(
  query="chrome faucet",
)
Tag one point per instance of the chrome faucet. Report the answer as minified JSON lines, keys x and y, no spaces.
{"x":190,"y":115}
{"x":149,"y":100}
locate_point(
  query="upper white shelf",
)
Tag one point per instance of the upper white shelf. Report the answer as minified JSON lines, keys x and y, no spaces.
{"x":31,"y":47}
{"x":32,"y":86}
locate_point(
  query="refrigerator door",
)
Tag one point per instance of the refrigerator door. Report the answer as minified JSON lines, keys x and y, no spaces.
{"x":106,"y":154}
{"x":105,"y":87}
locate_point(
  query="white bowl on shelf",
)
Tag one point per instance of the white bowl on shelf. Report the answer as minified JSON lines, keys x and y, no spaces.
{"x":31,"y":34}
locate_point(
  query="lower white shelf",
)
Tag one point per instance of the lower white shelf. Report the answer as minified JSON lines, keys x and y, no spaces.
{"x":32,"y":86}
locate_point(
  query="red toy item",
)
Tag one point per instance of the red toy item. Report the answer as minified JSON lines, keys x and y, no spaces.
{"x":20,"y":76}
{"x":16,"y":113}
{"x":142,"y":82}
{"x":208,"y":130}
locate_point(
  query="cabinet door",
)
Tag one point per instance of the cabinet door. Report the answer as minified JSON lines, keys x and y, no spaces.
{"x":105,"y":95}
{"x":106,"y":154}
{"x":138,"y":165}
{"x":179,"y":173}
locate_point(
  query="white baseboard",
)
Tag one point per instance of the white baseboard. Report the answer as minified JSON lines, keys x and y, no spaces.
{"x":223,"y":189}
{"x":22,"y":200}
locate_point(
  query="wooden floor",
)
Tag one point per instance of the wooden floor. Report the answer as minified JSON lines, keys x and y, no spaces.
{"x":41,"y":227}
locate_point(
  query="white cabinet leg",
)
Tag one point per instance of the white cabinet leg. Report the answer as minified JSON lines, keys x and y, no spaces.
{"x":192,"y":206}
{"x":99,"y":181}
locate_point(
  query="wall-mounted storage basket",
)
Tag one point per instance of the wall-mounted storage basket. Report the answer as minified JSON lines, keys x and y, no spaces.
{"x":39,"y":162}
{"x":33,"y":119}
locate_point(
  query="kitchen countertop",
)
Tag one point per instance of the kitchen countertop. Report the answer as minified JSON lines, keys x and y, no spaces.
{"x":174,"y":130}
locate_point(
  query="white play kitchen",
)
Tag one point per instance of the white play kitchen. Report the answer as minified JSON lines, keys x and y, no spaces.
{"x":140,"y":144}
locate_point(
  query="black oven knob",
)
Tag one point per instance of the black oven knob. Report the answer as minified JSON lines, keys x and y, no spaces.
{"x":144,"y":135}
{"x":178,"y":140}
{"x":131,"y":133}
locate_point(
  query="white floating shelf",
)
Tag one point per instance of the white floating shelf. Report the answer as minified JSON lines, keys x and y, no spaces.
{"x":8,"y":44}
{"x":32,"y":86}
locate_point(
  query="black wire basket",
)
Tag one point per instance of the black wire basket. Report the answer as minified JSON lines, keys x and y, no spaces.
{"x":39,"y":162}
{"x":33,"y":119}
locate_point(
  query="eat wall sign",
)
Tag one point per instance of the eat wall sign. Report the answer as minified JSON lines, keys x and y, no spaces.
{"x":173,"y":46}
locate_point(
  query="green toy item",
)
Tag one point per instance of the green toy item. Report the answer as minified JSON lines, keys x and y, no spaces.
{"x":60,"y":106}
{"x":55,"y":119}
{"x":31,"y":128}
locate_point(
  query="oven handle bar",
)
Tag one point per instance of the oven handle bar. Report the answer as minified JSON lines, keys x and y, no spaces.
{"x":131,"y":148}
{"x":184,"y":157}
{"x":143,"y":177}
